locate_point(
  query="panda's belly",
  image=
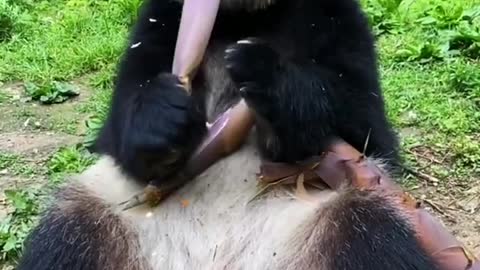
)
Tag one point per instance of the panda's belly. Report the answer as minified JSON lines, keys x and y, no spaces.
{"x":213,"y":223}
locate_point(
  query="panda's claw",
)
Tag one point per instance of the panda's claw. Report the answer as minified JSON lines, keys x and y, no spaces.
{"x":251,"y":60}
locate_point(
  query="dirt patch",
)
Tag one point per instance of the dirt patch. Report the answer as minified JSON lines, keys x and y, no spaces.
{"x":459,"y":211}
{"x":14,"y":90}
{"x":28,"y":144}
{"x":33,"y":150}
{"x":19,"y":114}
{"x":15,"y":182}
{"x":33,"y":132}
{"x":4,"y":207}
{"x":409,"y":132}
{"x":7,"y":267}
{"x":453,"y":197}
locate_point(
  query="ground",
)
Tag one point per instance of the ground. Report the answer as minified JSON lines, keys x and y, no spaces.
{"x":59,"y":57}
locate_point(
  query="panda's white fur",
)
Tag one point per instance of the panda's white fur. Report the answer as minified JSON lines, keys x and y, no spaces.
{"x":220,"y":227}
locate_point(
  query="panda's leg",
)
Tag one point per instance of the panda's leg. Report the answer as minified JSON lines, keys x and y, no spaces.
{"x":302,"y":104}
{"x":81,"y":231}
{"x":365,"y":229}
{"x":153,"y":123}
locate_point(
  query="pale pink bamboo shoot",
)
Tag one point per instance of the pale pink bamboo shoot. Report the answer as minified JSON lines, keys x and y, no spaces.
{"x":196,"y":25}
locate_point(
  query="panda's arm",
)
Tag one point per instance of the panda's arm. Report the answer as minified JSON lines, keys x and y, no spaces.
{"x":305,"y":103}
{"x":323,"y":82}
{"x":334,"y":93}
{"x":319,"y":102}
{"x":150,"y":111}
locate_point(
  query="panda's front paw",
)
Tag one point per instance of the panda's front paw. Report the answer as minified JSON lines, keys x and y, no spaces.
{"x":160,"y":127}
{"x":251,"y":62}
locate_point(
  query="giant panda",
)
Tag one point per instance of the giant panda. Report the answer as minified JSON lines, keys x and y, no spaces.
{"x":307,"y":68}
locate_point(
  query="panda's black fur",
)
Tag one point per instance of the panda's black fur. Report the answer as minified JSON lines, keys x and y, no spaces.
{"x":308,"y":69}
{"x":310,"y":73}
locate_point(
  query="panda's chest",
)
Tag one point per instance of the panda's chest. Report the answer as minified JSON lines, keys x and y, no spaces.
{"x":220,"y":92}
{"x":217,"y":221}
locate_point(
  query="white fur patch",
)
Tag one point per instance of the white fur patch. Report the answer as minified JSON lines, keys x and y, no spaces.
{"x":211,"y":223}
{"x":107,"y":181}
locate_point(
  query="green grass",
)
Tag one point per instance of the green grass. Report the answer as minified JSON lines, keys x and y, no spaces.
{"x":58,"y":40}
{"x":3,"y":98}
{"x":23,"y":208}
{"x":27,"y":202}
{"x":16,"y":226}
{"x":429,"y":54}
{"x":428,"y":94}
{"x":69,"y":160}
